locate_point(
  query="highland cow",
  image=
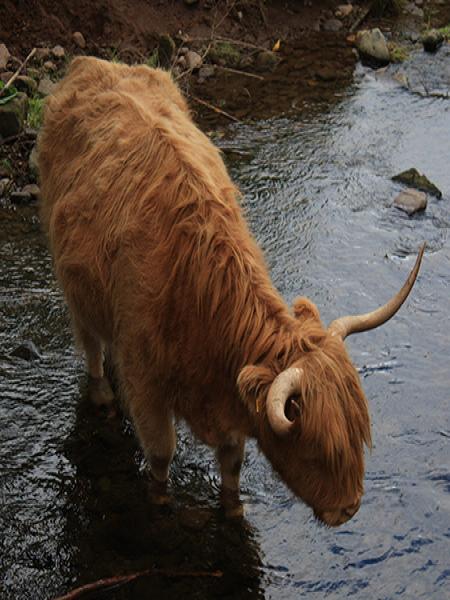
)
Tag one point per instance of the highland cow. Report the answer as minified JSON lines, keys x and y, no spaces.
{"x":158,"y":267}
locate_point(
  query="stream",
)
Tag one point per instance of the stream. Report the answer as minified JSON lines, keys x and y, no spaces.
{"x":318,"y":196}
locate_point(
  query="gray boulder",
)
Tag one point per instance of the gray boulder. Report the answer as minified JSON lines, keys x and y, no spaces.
{"x":372,"y":47}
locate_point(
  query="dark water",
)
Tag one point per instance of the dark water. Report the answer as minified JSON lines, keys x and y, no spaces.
{"x":318,"y":196}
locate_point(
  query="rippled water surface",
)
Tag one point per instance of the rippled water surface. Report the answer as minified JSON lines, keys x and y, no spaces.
{"x":319,"y":198}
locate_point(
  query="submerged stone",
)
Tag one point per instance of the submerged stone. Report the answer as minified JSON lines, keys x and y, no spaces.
{"x":27,"y":350}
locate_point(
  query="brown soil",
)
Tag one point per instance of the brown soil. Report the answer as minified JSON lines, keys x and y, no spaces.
{"x":133,"y":25}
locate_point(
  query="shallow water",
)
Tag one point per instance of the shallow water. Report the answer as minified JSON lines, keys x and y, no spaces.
{"x":318,"y":196}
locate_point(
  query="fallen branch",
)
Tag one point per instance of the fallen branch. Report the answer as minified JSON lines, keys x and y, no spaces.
{"x":215,"y":109}
{"x":12,"y":79}
{"x":238,"y":72}
{"x":110,"y":582}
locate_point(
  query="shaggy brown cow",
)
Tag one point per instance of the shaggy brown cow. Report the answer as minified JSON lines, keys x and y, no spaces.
{"x":157,"y":264}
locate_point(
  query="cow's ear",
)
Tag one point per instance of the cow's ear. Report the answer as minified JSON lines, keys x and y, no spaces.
{"x":305,"y":309}
{"x":253,"y":382}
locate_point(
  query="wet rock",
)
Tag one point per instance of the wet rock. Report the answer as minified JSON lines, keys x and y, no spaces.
{"x":4,"y":185}
{"x":411,"y":201}
{"x":58,"y":52}
{"x":266,"y":60}
{"x":20,"y":197}
{"x":33,"y":190}
{"x":4,"y":56}
{"x":49,"y":66}
{"x":372,"y":47}
{"x":12,"y":115}
{"x":79,"y":40}
{"x":225,"y":54}
{"x":6,"y":76}
{"x":46,"y":86}
{"x":344,"y":10}
{"x":42,"y":54}
{"x":432,"y":40}
{"x":332,"y":25}
{"x":26,"y":84}
{"x":413,"y":178}
{"x":33,"y":164}
{"x":166,"y":51}
{"x":193,"y":60}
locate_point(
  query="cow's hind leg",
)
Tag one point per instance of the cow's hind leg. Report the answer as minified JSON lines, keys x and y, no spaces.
{"x":156,"y":432}
{"x":99,"y":388}
{"x":230,"y":457}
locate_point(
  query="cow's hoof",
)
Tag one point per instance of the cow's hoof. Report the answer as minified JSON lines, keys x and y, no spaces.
{"x":233,"y":507}
{"x":100,"y":392}
{"x":157,"y":492}
{"x":234,"y":512}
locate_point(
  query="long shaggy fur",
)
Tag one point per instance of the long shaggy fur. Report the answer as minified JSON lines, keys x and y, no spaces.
{"x":155,"y":258}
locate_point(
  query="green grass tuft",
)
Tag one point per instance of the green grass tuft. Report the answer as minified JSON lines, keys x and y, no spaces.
{"x":35,"y":112}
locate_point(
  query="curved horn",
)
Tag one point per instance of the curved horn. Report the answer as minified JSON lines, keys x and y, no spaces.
{"x":345,"y":326}
{"x":286,"y":384}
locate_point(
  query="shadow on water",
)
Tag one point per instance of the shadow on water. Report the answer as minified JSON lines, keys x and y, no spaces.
{"x":115,"y":530}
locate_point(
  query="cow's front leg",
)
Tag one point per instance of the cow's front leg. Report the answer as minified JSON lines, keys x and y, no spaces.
{"x":156,"y":433}
{"x":230,"y":457}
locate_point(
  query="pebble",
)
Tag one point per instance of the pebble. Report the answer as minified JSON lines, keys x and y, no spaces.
{"x":4,"y":185}
{"x":33,"y":190}
{"x":344,"y":10}
{"x":58,"y":52}
{"x":332,"y":25}
{"x":4,"y":56}
{"x":411,"y":201}
{"x":6,"y":76}
{"x":42,"y":54}
{"x":49,"y":66}
{"x":206,"y":72}
{"x":46,"y":86}
{"x":79,"y":40}
{"x":193,"y":60}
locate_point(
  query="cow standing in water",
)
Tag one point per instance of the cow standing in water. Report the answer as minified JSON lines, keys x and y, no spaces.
{"x":158,"y":266}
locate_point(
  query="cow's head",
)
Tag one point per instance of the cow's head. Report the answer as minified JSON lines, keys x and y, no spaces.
{"x":311,"y":411}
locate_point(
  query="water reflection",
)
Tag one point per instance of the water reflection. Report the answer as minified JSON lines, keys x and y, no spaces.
{"x":115,"y":530}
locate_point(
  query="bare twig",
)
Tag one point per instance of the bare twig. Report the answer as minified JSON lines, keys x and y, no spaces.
{"x":12,"y":79}
{"x":215,"y":109}
{"x":238,"y":72}
{"x":110,"y":582}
